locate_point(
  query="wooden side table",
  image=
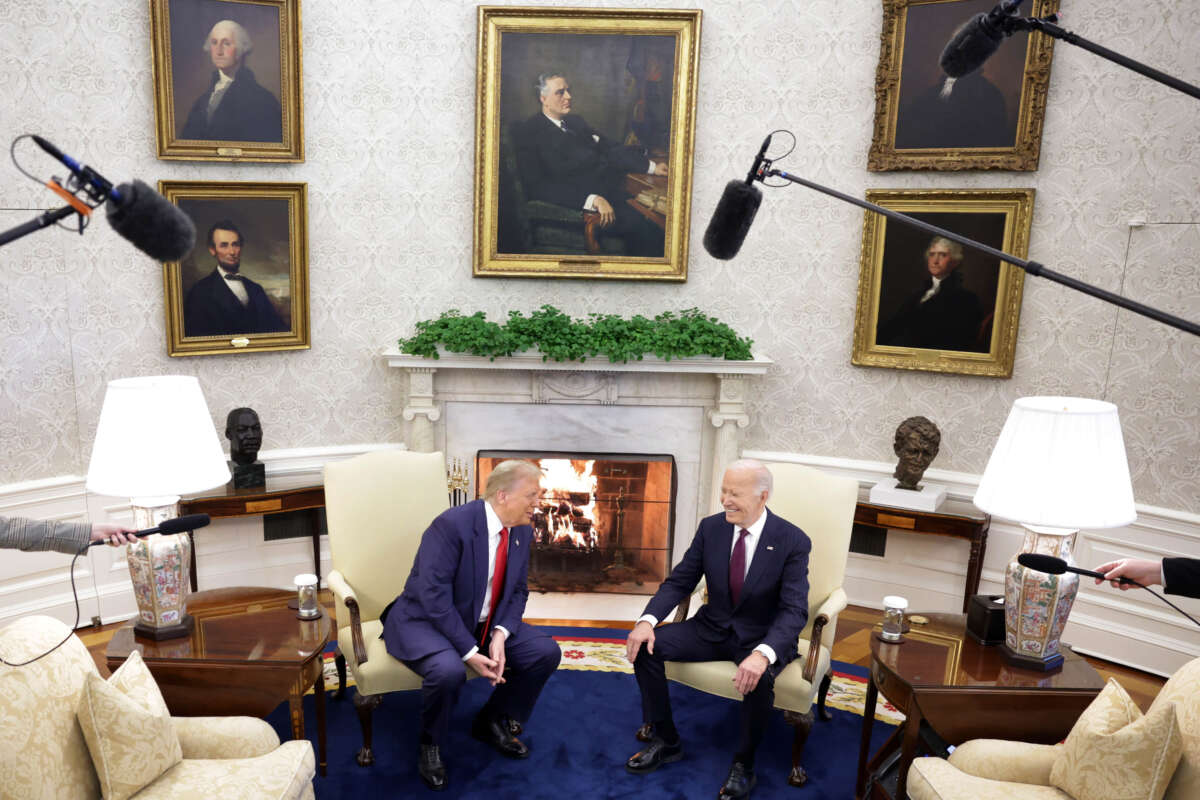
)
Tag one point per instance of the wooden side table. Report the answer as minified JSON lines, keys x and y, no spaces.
{"x":956,"y":520}
{"x":963,"y":690}
{"x":247,"y":653}
{"x":279,"y":495}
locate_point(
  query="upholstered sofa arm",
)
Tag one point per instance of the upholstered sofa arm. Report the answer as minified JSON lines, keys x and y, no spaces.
{"x":225,"y":737}
{"x":345,"y":595}
{"x":1003,"y":760}
{"x":834,"y":604}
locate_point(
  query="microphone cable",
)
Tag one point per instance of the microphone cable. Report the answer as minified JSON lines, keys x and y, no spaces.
{"x":767,"y":162}
{"x":70,"y":192}
{"x":1160,"y":597}
{"x":83,"y":549}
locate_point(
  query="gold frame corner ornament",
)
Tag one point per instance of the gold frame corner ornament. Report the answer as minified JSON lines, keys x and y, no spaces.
{"x":298,"y":336}
{"x":1017,"y":207}
{"x":883,"y":155}
{"x":494,"y":22}
{"x":172,"y":148}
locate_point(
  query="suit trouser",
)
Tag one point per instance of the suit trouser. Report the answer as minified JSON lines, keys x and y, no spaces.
{"x":683,"y":641}
{"x":530,"y":659}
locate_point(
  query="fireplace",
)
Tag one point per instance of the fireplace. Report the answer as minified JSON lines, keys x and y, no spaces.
{"x":605,"y":522}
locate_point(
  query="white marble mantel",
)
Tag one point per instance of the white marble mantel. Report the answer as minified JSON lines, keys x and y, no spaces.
{"x":715,"y":387}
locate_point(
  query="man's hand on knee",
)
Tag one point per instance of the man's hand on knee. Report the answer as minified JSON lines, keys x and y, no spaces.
{"x":607,"y":215}
{"x":642,"y":633}
{"x":486,"y":667}
{"x":749,"y":671}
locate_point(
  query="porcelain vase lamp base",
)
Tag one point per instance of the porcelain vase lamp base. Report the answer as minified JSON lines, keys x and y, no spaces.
{"x":1037,"y":604}
{"x":160,"y":568}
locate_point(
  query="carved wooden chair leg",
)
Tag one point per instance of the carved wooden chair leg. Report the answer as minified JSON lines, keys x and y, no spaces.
{"x":646,"y":732}
{"x":591,"y":221}
{"x":822,"y":712}
{"x":339,"y":661}
{"x":364,"y":705}
{"x":801,"y":725}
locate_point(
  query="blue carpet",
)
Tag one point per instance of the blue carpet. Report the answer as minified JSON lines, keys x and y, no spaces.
{"x":581,"y":734}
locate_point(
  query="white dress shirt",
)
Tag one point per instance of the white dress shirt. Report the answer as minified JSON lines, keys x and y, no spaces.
{"x":494,"y":526}
{"x":754,"y":533}
{"x":235,"y":285}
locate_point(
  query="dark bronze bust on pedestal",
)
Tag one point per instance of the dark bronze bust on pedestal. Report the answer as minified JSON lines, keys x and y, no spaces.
{"x":917,"y":443}
{"x":244,"y":432}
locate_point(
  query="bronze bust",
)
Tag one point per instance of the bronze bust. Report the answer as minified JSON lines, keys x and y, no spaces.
{"x":917,"y":442}
{"x":244,"y":432}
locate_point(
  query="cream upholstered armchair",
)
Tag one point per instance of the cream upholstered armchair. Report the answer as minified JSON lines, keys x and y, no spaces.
{"x":823,"y":507}
{"x":68,"y":734}
{"x":1112,"y":751}
{"x":377,"y":505}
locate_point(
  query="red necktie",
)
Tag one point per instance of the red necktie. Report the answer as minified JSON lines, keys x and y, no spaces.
{"x":497,"y":583}
{"x":737,"y":567}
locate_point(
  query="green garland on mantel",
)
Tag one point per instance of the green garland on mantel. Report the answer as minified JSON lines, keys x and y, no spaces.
{"x":558,"y":337}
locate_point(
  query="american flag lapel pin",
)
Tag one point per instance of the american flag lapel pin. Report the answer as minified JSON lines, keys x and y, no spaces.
{"x":770,"y":547}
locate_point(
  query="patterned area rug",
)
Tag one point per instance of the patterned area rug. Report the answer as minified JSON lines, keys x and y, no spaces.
{"x":607,"y":654}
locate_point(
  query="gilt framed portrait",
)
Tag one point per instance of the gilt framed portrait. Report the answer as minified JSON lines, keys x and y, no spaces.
{"x":244,"y":286}
{"x":585,"y":122}
{"x":990,"y":118}
{"x":227,"y":80}
{"x":928,"y":303}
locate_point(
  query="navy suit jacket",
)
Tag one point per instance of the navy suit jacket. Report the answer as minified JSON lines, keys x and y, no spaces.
{"x":443,"y":597}
{"x":564,"y":168}
{"x":773,"y":607}
{"x":1182,"y":576}
{"x":212,"y":309}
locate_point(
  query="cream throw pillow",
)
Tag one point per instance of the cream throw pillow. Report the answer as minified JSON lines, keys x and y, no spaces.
{"x":1115,"y":753}
{"x":128,"y":729}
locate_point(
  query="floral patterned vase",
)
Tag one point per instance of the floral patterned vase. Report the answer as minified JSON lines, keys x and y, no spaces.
{"x":1036,"y":604}
{"x":160,"y":567}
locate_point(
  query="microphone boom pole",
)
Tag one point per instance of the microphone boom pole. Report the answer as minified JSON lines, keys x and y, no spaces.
{"x":1032,"y":267}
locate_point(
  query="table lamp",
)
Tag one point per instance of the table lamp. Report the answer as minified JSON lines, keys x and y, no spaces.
{"x":1058,"y":466}
{"x":156,"y":441}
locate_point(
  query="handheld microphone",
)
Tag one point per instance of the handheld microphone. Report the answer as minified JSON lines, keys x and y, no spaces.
{"x":731,"y":220}
{"x":168,"y":526}
{"x":137,"y":213}
{"x":1056,"y":566}
{"x":976,"y":39}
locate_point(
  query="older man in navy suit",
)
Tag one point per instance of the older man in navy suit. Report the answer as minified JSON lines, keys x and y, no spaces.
{"x":756,"y":568}
{"x":462,"y":605}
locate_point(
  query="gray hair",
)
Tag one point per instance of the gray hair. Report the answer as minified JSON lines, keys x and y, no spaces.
{"x":764,"y":481}
{"x":244,"y":44}
{"x":956,"y":251}
{"x":508,"y":474}
{"x":542,"y":81}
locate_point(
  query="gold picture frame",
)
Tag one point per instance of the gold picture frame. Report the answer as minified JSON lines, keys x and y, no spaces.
{"x":259,"y":116}
{"x":258,"y":232}
{"x":969,"y":324}
{"x":633,"y":73}
{"x":992,"y":117}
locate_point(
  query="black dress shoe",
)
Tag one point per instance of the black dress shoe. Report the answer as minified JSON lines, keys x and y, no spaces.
{"x":433,"y":771}
{"x":739,"y":783}
{"x":497,"y":733}
{"x":656,"y":754}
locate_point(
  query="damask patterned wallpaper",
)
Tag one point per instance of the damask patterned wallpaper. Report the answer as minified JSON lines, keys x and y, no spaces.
{"x":389,"y":112}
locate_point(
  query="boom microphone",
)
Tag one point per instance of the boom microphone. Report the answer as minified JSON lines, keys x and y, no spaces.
{"x":139,"y":214}
{"x":976,"y":39}
{"x":731,"y":220}
{"x":1056,"y":566}
{"x":168,"y":526}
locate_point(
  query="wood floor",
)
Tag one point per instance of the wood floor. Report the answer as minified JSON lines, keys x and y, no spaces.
{"x":852,"y":646}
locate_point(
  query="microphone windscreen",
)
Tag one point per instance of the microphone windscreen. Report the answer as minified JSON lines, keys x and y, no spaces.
{"x":152,"y":223}
{"x":1042,"y":563}
{"x":731,"y":220}
{"x":186,"y":523}
{"x":971,"y":45}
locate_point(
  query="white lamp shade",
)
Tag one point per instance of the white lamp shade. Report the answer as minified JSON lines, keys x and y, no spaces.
{"x":155,"y":439}
{"x":1059,"y":463}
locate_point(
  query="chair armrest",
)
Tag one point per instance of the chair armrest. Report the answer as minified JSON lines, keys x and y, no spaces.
{"x":225,"y":737}
{"x":833,"y":605}
{"x":681,"y":611}
{"x":345,"y":595}
{"x":1003,"y":760}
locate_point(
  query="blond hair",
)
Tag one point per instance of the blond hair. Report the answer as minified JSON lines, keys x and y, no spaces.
{"x":508,"y":474}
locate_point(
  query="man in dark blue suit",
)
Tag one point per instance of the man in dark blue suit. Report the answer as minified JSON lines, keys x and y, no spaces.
{"x":463,"y":604}
{"x":225,"y":302}
{"x":755,"y":565}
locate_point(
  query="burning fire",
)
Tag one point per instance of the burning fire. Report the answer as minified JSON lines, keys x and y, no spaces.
{"x":569,"y":502}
